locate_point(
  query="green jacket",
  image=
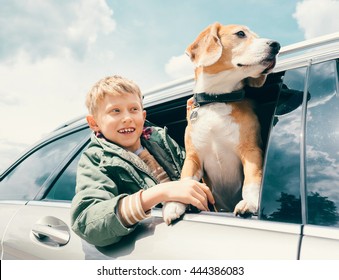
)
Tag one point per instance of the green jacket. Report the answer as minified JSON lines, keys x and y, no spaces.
{"x":106,"y":172}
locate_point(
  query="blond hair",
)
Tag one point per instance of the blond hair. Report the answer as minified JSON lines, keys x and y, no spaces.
{"x":113,"y":85}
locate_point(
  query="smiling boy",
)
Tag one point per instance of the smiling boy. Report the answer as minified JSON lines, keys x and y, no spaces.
{"x":128,"y":167}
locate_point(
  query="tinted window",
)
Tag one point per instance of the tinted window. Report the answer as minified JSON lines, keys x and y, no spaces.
{"x":64,"y":187}
{"x":322,"y":145}
{"x":281,"y":181}
{"x":25,"y":180}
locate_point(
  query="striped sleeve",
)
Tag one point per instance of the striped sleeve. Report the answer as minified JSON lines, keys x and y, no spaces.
{"x":130,"y":209}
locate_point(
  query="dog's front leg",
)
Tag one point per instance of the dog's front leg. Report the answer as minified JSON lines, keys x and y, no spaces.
{"x":252,"y":166}
{"x":191,"y":170}
{"x":172,"y":210}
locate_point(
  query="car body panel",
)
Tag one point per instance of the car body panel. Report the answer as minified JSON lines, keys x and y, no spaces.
{"x":320,"y":243}
{"x":153,"y":239}
{"x":20,"y":242}
{"x":7,"y":212}
{"x":187,"y":239}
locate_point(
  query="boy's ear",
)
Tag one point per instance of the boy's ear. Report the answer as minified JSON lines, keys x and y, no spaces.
{"x":92,"y":123}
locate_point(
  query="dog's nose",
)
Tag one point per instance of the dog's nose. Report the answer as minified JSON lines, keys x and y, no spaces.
{"x":275,"y":46}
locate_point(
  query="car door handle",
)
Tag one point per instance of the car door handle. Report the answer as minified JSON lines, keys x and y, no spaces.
{"x":51,"y":231}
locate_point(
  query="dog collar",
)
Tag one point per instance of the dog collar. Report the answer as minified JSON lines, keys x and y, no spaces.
{"x":204,"y":98}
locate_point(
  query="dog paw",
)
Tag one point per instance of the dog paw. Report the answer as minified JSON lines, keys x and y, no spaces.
{"x":172,"y":211}
{"x":244,"y":208}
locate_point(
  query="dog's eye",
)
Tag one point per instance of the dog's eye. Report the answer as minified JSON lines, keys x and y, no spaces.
{"x":241,"y":34}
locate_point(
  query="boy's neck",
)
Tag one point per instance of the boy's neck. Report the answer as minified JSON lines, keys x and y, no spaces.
{"x":138,"y":151}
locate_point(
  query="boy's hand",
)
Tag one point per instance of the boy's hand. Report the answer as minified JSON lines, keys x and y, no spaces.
{"x":180,"y":193}
{"x":189,"y":191}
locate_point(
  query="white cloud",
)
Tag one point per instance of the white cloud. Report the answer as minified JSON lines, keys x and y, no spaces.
{"x":39,"y":93}
{"x":317,"y":17}
{"x":91,"y":17}
{"x":179,"y":66}
{"x":51,"y":28}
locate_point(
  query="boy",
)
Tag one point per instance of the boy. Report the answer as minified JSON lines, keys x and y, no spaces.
{"x":127,"y":168}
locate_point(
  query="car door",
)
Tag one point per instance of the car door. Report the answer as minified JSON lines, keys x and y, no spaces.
{"x":34,"y":228}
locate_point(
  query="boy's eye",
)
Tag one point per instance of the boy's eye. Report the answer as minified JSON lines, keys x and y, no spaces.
{"x":115,"y":110}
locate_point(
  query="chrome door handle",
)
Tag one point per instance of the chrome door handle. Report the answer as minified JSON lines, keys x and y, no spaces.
{"x":51,"y":231}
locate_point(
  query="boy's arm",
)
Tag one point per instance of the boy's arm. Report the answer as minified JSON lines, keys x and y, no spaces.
{"x":136,"y":207}
{"x":130,"y":209}
{"x":93,"y":209}
{"x":186,"y":191}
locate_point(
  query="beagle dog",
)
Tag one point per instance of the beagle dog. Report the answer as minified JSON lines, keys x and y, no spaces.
{"x":222,"y":138}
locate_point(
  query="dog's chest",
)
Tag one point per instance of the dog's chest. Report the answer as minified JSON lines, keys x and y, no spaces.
{"x":214,"y":128}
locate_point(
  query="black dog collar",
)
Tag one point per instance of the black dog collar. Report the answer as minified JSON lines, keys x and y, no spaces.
{"x":204,"y":98}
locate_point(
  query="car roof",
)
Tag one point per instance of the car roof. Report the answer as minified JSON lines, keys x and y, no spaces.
{"x":78,"y":121}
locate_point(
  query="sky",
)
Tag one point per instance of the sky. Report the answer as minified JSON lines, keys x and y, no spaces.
{"x":53,"y":51}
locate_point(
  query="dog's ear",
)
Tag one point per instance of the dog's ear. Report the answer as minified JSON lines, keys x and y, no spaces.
{"x":207,"y":48}
{"x":255,"y":82}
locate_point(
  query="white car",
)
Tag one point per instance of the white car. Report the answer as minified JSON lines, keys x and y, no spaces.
{"x":298,"y":108}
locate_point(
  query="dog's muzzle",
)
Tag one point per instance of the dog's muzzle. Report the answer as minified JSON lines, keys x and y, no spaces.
{"x":270,"y":60}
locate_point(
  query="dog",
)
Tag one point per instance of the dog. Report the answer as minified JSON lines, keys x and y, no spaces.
{"x":222,"y":137}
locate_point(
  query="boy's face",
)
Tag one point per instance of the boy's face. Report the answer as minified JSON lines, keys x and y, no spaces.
{"x":120,"y":119}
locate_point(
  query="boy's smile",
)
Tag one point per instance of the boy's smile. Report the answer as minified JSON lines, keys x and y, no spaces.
{"x":120,"y":119}
{"x":127,"y":130}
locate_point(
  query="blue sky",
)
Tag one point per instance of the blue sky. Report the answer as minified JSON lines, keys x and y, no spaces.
{"x":52,"y":52}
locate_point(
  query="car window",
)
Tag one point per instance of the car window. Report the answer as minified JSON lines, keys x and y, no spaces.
{"x":280,"y":199}
{"x":172,"y":115}
{"x":26,"y":179}
{"x":322,"y":145}
{"x":64,"y":187}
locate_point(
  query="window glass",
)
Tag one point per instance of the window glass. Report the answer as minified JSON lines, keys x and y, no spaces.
{"x":25,"y":180}
{"x":280,"y":200}
{"x":322,"y":146}
{"x":64,"y":187}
